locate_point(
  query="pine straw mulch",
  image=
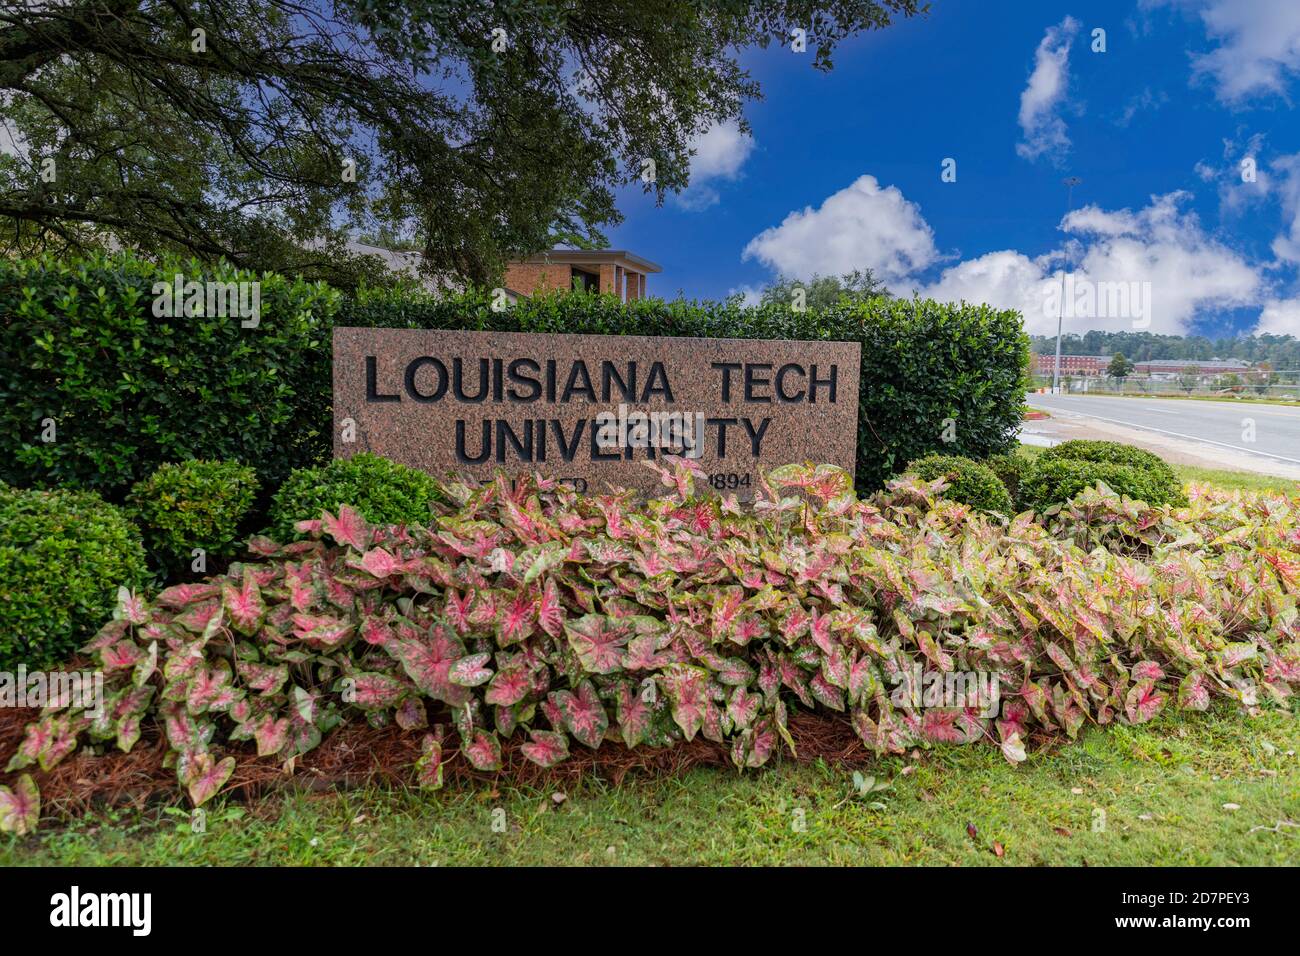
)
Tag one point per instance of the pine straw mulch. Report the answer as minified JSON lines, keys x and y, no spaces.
{"x":358,"y":755}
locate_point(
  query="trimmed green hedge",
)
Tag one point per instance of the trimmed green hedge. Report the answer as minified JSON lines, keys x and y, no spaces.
{"x":969,"y":482}
{"x":1057,"y":481}
{"x":193,"y":504}
{"x":1012,"y":470}
{"x":1110,"y":452}
{"x":63,"y":555}
{"x":923,"y":362}
{"x":128,"y":390}
{"x":384,"y":491}
{"x":1159,"y":484}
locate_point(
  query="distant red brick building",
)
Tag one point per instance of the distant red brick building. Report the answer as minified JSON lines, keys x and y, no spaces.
{"x":1100,"y":364}
{"x":1072,"y":364}
{"x":1178,"y":366}
{"x":614,"y":271}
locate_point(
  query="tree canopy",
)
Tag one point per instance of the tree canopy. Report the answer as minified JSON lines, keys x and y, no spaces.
{"x":267,"y":131}
{"x":819,"y":291}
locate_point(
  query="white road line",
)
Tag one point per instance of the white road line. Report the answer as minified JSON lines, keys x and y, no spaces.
{"x":1149,"y":403}
{"x":1205,"y":441}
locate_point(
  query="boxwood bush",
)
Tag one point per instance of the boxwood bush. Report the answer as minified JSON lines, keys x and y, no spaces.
{"x":126,"y":390}
{"x":383,"y":491}
{"x":1111,"y":452}
{"x":193,"y":504}
{"x":1158,"y":484}
{"x":923,"y":362}
{"x":1011,"y":469}
{"x":63,"y":555}
{"x":968,"y":481}
{"x":1056,"y":481}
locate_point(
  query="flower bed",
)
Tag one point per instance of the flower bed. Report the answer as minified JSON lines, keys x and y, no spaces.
{"x":526,"y":612}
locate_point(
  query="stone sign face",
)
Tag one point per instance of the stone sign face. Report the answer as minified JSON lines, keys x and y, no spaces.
{"x":590,"y":409}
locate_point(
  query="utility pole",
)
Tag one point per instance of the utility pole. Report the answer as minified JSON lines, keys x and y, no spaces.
{"x":1069,"y":182}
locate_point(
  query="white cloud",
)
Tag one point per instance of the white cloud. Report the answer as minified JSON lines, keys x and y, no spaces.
{"x":1258,"y":50}
{"x":1287,"y":169}
{"x":861,"y":226}
{"x":1005,"y":279}
{"x":1187,"y":269}
{"x":752,"y":295}
{"x":1280,"y":317}
{"x":1236,"y":191}
{"x":718,"y":154}
{"x":1157,"y":267}
{"x":1146,"y":100}
{"x":1095,"y":221}
{"x":1044,"y":130}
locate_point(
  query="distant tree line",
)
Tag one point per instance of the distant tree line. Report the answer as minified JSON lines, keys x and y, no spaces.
{"x":823,"y":292}
{"x":1279,"y":351}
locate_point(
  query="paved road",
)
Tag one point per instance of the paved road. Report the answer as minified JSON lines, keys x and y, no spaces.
{"x":1223,"y":425}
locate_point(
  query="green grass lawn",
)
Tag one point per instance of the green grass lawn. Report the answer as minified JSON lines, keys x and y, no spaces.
{"x":1148,"y":795}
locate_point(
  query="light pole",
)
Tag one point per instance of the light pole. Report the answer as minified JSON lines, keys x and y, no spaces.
{"x":1069,"y":182}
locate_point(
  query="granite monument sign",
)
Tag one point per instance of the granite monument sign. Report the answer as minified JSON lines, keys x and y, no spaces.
{"x":589,"y":409}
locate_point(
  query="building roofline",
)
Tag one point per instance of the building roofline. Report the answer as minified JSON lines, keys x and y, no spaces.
{"x":595,"y":257}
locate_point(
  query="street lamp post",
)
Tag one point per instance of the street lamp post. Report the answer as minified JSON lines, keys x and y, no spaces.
{"x":1069,"y":182}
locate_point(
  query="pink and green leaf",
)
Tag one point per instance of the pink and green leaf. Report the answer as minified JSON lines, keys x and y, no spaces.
{"x":207,"y":776}
{"x":482,"y":750}
{"x":20,"y":807}
{"x":546,"y":748}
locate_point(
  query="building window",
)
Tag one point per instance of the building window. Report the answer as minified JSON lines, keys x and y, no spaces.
{"x":584,"y":281}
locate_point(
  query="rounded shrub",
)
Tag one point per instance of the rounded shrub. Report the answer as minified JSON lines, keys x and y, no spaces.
{"x":1055,"y":482}
{"x":384,"y":491}
{"x":1109,"y":452}
{"x":1158,"y":486}
{"x":968,"y":481}
{"x":63,"y":555}
{"x":1011,"y":469}
{"x":193,"y":504}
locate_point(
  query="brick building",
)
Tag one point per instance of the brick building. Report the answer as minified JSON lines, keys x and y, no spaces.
{"x":1171,"y":367}
{"x":1157,"y":368}
{"x":614,"y":271}
{"x":1072,"y":364}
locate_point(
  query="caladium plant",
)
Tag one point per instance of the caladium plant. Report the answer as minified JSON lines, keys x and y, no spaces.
{"x":20,"y":807}
{"x":527,"y":612}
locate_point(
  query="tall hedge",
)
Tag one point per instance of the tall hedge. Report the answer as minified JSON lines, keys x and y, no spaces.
{"x":127,"y":390}
{"x":923,"y":362}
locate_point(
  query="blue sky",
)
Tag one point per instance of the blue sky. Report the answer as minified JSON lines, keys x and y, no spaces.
{"x":844,"y":169}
